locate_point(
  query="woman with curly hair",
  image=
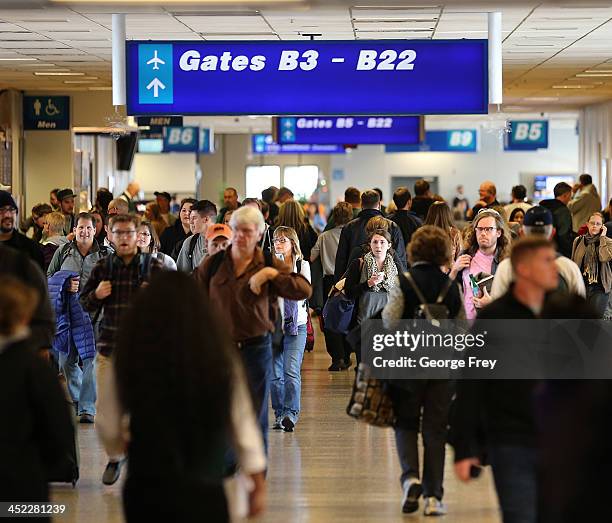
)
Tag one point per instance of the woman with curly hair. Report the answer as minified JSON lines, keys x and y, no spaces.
{"x":184,"y":400}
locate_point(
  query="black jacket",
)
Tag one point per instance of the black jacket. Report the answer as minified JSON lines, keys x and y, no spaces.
{"x":353,"y":235}
{"x":408,"y":222}
{"x":18,"y":265}
{"x":562,"y":221}
{"x":22,"y":243}
{"x":37,"y":431}
{"x":494,"y":411}
{"x":171,"y":236}
{"x":420,"y":206}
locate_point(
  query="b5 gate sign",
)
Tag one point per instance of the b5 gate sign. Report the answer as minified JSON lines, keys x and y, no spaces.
{"x":528,"y":135}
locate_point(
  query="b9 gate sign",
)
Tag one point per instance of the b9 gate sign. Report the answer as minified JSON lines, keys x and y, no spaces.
{"x":388,"y":77}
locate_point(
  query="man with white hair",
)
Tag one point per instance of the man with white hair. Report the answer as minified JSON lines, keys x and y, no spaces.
{"x":129,"y":194}
{"x":244,"y":283}
{"x":539,"y":221}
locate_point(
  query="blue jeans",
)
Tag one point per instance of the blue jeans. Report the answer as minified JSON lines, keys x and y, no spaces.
{"x":81,"y":383}
{"x":596,"y":297}
{"x":515,"y":475}
{"x":257,"y":359}
{"x":286,"y":386}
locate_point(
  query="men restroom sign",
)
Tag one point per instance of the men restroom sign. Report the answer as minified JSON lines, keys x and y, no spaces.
{"x":46,"y":113}
{"x":347,"y":77}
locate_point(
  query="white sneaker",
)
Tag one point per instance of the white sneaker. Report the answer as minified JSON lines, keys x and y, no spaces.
{"x":434,"y":507}
{"x":412,"y":492}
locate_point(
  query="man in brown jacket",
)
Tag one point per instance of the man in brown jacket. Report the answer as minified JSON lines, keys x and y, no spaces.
{"x":243,"y":285}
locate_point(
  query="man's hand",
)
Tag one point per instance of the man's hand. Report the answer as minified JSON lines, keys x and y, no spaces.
{"x":260,"y":278}
{"x":462,"y":468}
{"x":104,"y":289}
{"x":257,"y":496}
{"x":483,"y":301}
{"x":74,"y":285}
{"x":463,"y":262}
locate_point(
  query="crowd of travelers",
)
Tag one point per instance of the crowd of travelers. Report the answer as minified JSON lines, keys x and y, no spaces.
{"x":212,"y":307}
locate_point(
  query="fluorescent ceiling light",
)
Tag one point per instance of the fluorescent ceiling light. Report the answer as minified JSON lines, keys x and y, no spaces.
{"x":56,"y":73}
{"x":573,"y":86}
{"x":18,"y":59}
{"x":598,"y":71}
{"x":592,"y":75}
{"x":80,"y":81}
{"x":100,"y":88}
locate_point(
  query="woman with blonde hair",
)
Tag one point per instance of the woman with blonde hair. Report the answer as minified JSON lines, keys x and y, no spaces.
{"x":440,"y":215}
{"x":592,"y":253}
{"x":292,"y":215}
{"x":286,"y":385}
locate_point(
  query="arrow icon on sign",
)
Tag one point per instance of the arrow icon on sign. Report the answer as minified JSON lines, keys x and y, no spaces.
{"x":156,"y":85}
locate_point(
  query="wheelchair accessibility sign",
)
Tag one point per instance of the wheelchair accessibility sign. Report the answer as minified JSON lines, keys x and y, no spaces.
{"x":46,"y":113}
{"x":155,"y":77}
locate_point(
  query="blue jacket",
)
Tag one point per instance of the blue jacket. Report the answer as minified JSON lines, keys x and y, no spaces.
{"x":73,"y":324}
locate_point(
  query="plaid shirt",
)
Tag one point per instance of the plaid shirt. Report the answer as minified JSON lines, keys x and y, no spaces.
{"x":126,"y":281}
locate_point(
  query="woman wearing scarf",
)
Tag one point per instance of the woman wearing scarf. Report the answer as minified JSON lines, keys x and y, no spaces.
{"x":368,"y":282}
{"x":286,"y":385}
{"x":592,"y":252}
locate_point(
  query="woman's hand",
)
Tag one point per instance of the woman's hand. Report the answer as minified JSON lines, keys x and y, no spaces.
{"x":604,"y":230}
{"x":376,"y":279}
{"x":260,"y":278}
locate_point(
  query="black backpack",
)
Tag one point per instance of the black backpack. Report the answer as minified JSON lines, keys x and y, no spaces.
{"x":432,"y":312}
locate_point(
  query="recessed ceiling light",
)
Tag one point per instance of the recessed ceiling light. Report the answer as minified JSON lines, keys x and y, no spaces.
{"x":55,"y":73}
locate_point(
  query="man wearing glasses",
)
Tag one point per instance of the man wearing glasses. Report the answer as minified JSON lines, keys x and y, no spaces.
{"x":9,"y":235}
{"x":487,"y":245}
{"x":113,"y":283}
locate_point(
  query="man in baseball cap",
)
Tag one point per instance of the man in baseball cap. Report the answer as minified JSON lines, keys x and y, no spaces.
{"x":539,"y":221}
{"x":66,"y":203}
{"x":8,"y":232}
{"x":163,"y":199}
{"x":218,"y":238}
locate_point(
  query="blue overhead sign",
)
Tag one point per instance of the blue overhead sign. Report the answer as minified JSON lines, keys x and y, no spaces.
{"x":389,"y":77}
{"x":349,"y":129}
{"x":451,"y":141}
{"x":264,"y":144}
{"x":181,"y":139}
{"x":527,"y":135}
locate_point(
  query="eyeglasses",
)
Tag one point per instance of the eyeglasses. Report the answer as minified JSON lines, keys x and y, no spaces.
{"x":282,"y":239}
{"x":123,"y":233}
{"x":486,"y":230}
{"x":7,"y":210}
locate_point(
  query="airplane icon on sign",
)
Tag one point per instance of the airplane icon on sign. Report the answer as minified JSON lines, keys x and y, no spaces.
{"x":155,"y":60}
